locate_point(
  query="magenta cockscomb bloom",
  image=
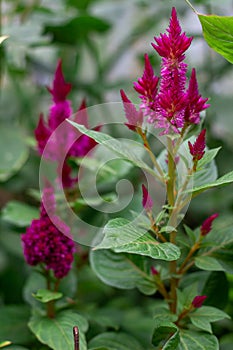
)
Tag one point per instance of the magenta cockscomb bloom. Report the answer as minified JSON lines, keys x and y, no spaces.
{"x":44,"y":243}
{"x":195,"y":102}
{"x":147,"y":201}
{"x":197,"y":150}
{"x":167,"y":102}
{"x":198,"y":301}
{"x":146,"y":86}
{"x":53,"y":141}
{"x":206,"y":227}
{"x":134,"y":117}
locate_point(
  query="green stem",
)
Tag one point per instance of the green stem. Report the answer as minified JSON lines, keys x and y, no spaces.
{"x":171,"y":203}
{"x":50,"y":304}
{"x":189,"y":3}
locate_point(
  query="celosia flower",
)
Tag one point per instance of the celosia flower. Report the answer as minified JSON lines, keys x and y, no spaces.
{"x":146,"y":86}
{"x":197,"y":150}
{"x":60,"y":138}
{"x":195,"y":103}
{"x":147,"y":201}
{"x":134,"y":117}
{"x":206,"y":227}
{"x":198,"y":301}
{"x":171,"y":106}
{"x":44,"y":243}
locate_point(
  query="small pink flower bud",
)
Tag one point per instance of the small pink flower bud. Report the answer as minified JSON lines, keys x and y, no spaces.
{"x":154,"y":271}
{"x":197,"y":150}
{"x":134,"y":117}
{"x":199,"y":300}
{"x":147,"y":201}
{"x":206,"y":227}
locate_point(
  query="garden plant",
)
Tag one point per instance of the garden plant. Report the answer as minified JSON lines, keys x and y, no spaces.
{"x":148,"y":279}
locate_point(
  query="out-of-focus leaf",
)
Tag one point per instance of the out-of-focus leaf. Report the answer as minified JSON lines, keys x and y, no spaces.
{"x":45,"y":295}
{"x":13,"y":321}
{"x":14,"y":151}
{"x":2,"y":38}
{"x":218,"y":33}
{"x":76,"y":29}
{"x":19,"y":214}
{"x":114,"y":341}
{"x":216,"y":287}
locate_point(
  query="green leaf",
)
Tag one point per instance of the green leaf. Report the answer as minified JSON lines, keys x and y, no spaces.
{"x":57,"y":333}
{"x":19,"y":214}
{"x":223,"y":180}
{"x":197,"y":341}
{"x":5,"y":343}
{"x":14,"y":151}
{"x":13,"y":321}
{"x":2,"y":38}
{"x":75,"y":30}
{"x":166,"y":335}
{"x":208,"y":157}
{"x":202,"y":317}
{"x":121,"y":148}
{"x":218,"y":33}
{"x":208,"y":263}
{"x":217,"y":288}
{"x":15,"y":347}
{"x":124,"y":237}
{"x":45,"y":295}
{"x":114,"y":341}
{"x":122,"y":270}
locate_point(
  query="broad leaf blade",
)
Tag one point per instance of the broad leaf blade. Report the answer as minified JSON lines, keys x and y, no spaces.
{"x":166,"y":333}
{"x":45,"y":295}
{"x":197,"y":341}
{"x":122,"y":271}
{"x":114,"y":341}
{"x":19,"y":214}
{"x":57,"y":333}
{"x":218,"y":33}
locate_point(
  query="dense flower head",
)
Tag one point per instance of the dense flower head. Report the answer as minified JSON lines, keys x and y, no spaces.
{"x":44,"y":243}
{"x":197,"y":150}
{"x":170,"y":102}
{"x":206,"y":226}
{"x":198,"y":301}
{"x":147,"y":201}
{"x":54,"y":139}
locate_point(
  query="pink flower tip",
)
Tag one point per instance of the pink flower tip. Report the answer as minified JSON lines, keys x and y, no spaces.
{"x":199,"y":300}
{"x":197,"y":150}
{"x":154,"y":271}
{"x":60,"y":88}
{"x":147,"y":201}
{"x":134,"y":117}
{"x":206,"y":227}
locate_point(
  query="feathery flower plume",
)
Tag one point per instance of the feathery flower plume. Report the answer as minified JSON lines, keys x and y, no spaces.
{"x":206,"y":227}
{"x":44,"y":243}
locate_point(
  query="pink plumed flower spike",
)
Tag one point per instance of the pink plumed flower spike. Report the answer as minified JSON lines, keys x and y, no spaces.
{"x":197,"y":150}
{"x":206,"y":227}
{"x":60,"y":88}
{"x":198,"y":301}
{"x":174,"y":44}
{"x":147,"y":201}
{"x":196,"y":103}
{"x":146,"y":86}
{"x":134,"y":117}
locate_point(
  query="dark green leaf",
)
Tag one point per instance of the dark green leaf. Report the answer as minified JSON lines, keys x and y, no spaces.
{"x":76,"y":29}
{"x":57,"y":333}
{"x":166,"y":334}
{"x":19,"y":214}
{"x":202,"y":317}
{"x":122,"y":271}
{"x":13,"y":321}
{"x":216,"y":287}
{"x":208,"y":263}
{"x":114,"y":341}
{"x":218,"y":33}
